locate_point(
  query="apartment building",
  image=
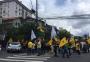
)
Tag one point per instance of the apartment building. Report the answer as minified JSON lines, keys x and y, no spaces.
{"x":13,"y":8}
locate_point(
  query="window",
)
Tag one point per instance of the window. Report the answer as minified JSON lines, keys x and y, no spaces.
{"x":0,"y":11}
{"x":16,"y":7}
{"x":19,"y":9}
{"x":3,"y":12}
{"x":16,"y":12}
{"x":8,"y":12}
{"x":8,"y":5}
{"x":19,"y":13}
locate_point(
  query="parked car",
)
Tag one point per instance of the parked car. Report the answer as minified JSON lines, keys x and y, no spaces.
{"x":14,"y":47}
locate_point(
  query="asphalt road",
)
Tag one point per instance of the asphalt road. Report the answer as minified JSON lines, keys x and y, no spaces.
{"x":24,"y":57}
{"x":84,"y":57}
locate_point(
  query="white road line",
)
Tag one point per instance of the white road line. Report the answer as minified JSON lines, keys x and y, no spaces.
{"x":2,"y":59}
{"x":27,"y":58}
{"x":21,"y":54}
{"x":13,"y":60}
{"x":32,"y":56}
{"x":34,"y":61}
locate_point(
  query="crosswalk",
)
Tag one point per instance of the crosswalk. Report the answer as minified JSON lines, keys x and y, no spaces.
{"x":25,"y":58}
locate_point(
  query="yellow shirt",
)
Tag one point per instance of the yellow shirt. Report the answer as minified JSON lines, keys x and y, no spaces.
{"x":77,"y":47}
{"x":30,"y":44}
{"x":33,"y":46}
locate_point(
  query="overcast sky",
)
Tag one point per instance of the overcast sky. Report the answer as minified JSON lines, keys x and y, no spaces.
{"x":50,"y":8}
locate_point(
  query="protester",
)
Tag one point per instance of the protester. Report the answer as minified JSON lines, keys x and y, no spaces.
{"x":78,"y":47}
{"x":49,"y":46}
{"x":87,"y":44}
{"x":30,"y":44}
{"x":55,"y":47}
{"x":43,"y":46}
{"x":33,"y":48}
{"x":39,"y":47}
{"x":82,"y":45}
{"x":68,"y":45}
{"x":65,"y":51}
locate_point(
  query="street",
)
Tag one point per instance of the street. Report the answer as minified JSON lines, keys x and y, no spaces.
{"x":23,"y":57}
{"x":84,"y":57}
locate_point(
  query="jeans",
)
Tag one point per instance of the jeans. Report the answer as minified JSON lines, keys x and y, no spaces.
{"x":29,"y":51}
{"x":39,"y":51}
{"x":55,"y":50}
{"x":65,"y":52}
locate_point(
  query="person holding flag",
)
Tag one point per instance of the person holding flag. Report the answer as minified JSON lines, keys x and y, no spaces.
{"x":73,"y":42}
{"x":39,"y":46}
{"x":88,"y":43}
{"x":54,"y":43}
{"x":49,"y":44}
{"x":69,"y":46}
{"x":63,"y":45}
{"x":30,"y":43}
{"x":78,"y":47}
{"x":55,"y":47}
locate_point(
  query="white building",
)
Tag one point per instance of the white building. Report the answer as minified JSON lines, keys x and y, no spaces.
{"x":13,"y":9}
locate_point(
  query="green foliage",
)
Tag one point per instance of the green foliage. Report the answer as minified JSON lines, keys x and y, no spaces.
{"x":64,"y":33}
{"x":25,"y":28}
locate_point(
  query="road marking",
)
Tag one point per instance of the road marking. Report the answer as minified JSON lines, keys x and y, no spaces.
{"x":27,"y":58}
{"x":2,"y":59}
{"x":32,"y":57}
{"x":21,"y":54}
{"x":34,"y":61}
{"x":13,"y":60}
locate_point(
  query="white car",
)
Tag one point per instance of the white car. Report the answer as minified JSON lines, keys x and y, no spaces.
{"x":13,"y":47}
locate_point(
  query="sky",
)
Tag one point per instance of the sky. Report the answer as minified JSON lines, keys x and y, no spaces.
{"x":51,"y":8}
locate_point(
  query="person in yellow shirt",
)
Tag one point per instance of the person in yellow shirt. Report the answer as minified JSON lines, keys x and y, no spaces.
{"x":33,"y":48}
{"x":39,"y":46}
{"x":78,"y":48}
{"x":30,"y":45}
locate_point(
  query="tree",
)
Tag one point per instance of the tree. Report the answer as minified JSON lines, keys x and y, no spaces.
{"x":64,"y":33}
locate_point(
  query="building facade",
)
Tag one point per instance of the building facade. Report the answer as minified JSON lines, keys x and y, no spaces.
{"x":13,"y":9}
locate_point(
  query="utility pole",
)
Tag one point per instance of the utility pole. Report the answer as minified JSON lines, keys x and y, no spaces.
{"x":36,"y":10}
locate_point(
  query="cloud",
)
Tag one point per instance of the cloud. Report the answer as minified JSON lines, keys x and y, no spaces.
{"x":51,"y":8}
{"x":81,"y":24}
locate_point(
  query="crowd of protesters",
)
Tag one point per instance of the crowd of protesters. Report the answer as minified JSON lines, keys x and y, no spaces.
{"x":40,"y":47}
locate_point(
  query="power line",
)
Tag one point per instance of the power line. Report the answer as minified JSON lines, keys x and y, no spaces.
{"x":81,"y":16}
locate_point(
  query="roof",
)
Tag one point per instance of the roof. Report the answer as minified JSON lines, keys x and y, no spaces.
{"x":18,"y":2}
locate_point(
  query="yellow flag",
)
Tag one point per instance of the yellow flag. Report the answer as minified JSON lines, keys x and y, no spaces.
{"x":30,"y":44}
{"x":72,"y":40}
{"x":40,"y":27}
{"x":50,"y":42}
{"x":56,"y":39}
{"x":63,"y":42}
{"x":10,"y":40}
{"x":88,"y":40}
{"x":41,"y":30}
